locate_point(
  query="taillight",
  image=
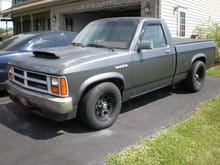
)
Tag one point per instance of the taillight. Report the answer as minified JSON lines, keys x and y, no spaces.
{"x":59,"y":86}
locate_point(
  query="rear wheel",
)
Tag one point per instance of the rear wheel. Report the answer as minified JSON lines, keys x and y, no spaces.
{"x":100,"y":106}
{"x":196,"y":77}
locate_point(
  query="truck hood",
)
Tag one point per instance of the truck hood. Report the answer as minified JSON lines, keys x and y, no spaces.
{"x":58,"y":60}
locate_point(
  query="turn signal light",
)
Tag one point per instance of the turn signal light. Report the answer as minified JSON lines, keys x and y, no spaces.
{"x":63,"y":86}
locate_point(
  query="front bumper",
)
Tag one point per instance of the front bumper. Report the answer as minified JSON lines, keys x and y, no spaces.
{"x":55,"y":108}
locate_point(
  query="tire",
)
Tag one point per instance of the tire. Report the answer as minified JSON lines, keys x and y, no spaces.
{"x":196,"y":77}
{"x":100,"y":106}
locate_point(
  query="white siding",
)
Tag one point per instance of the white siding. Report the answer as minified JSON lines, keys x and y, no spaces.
{"x":198,"y":12}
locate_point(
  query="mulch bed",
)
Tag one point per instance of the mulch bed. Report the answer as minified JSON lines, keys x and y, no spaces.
{"x":217,"y":63}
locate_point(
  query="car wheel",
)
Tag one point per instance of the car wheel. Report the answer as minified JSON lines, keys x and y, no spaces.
{"x":100,"y":106}
{"x":196,"y":77}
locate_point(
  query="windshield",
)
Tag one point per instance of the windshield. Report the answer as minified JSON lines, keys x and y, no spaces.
{"x":110,"y":33}
{"x":7,"y":42}
{"x":15,"y":43}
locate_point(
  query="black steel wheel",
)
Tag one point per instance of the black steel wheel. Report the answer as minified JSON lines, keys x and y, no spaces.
{"x":196,"y":77}
{"x":100,"y":106}
{"x":104,"y":107}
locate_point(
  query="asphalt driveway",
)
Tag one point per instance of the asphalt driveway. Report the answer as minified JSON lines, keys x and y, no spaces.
{"x":27,"y":139}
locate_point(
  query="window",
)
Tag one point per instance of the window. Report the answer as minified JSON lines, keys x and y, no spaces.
{"x":182,"y":24}
{"x":45,"y":41}
{"x":20,"y":1}
{"x":154,"y":34}
{"x":69,"y":24}
{"x":16,"y":42}
{"x":52,"y":39}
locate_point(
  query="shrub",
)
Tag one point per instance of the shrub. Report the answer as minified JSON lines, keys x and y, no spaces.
{"x":210,"y":31}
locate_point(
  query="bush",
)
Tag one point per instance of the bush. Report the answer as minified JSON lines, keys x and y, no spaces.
{"x":210,"y":31}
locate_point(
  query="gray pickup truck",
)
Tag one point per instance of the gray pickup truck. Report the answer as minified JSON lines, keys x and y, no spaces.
{"x":109,"y":62}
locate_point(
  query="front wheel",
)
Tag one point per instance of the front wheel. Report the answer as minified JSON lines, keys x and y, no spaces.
{"x":196,"y":77}
{"x":100,"y":106}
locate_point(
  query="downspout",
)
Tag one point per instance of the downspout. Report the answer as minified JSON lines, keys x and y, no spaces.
{"x":32,"y":22}
{"x":159,"y":8}
{"x":21,"y":25}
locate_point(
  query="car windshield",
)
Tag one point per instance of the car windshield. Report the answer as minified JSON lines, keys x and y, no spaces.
{"x":109,"y":33}
{"x":15,"y":43}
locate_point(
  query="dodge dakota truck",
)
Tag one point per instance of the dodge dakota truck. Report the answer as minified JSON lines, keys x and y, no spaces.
{"x":110,"y":61}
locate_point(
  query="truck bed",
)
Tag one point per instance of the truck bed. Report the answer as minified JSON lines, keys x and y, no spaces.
{"x":179,"y":41}
{"x":188,"y":49}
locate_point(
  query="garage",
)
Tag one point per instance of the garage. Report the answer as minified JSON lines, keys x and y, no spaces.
{"x":76,"y":21}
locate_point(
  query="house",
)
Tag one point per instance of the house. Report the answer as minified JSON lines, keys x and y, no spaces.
{"x":4,"y":4}
{"x":182,"y":16}
{"x":5,"y":22}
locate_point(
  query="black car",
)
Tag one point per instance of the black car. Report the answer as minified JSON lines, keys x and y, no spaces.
{"x":27,"y":42}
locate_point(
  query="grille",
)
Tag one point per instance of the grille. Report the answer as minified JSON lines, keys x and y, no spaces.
{"x":31,"y":80}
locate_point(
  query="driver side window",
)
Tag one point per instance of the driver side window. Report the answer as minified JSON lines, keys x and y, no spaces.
{"x":154,"y":34}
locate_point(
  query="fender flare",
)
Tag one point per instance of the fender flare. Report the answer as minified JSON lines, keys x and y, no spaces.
{"x":198,"y":56}
{"x":98,"y":78}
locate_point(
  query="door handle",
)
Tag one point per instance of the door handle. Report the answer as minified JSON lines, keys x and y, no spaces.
{"x":168,"y":51}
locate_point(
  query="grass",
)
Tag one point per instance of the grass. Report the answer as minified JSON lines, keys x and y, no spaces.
{"x":215,"y":71}
{"x":195,"y":141}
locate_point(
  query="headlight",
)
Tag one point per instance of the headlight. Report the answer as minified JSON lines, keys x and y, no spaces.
{"x":54,"y":81}
{"x":10,"y":73}
{"x":59,"y":86}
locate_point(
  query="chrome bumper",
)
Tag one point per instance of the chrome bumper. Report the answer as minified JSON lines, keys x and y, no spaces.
{"x":52,"y":107}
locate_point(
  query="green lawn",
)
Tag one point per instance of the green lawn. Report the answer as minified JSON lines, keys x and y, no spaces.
{"x":215,"y":71}
{"x":195,"y":141}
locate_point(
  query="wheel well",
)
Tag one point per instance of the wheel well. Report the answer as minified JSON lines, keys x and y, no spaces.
{"x":203,"y":59}
{"x":118,"y":82}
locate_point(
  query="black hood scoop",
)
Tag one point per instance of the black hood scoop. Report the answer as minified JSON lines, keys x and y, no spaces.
{"x":46,"y":55}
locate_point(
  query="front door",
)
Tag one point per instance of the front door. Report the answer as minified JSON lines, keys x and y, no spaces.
{"x":153,"y":68}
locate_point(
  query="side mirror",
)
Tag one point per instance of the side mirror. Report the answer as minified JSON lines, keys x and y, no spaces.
{"x":145,"y":45}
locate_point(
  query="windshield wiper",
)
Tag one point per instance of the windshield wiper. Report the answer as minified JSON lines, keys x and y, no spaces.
{"x":77,"y":44}
{"x":100,"y":46}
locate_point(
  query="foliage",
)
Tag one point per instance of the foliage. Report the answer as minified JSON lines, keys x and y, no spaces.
{"x":193,"y":142}
{"x":210,"y":31}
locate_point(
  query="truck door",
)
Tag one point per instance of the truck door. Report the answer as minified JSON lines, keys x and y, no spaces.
{"x":153,"y":68}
